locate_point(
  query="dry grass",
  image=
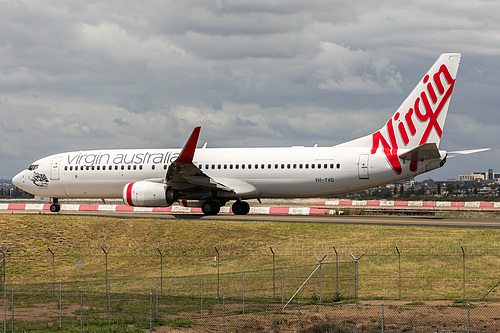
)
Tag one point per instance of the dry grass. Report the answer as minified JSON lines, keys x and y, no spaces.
{"x":431,"y":257}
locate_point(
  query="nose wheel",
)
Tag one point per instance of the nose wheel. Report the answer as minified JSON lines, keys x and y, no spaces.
{"x":55,"y":207}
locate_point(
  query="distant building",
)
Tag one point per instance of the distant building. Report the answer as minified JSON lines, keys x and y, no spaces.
{"x":473,"y":177}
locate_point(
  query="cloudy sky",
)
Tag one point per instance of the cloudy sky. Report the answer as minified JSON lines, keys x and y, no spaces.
{"x":83,"y":74}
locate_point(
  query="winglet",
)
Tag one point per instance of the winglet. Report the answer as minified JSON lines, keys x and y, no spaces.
{"x":187,"y":152}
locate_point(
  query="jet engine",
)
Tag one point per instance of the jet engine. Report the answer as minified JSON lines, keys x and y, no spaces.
{"x":148,"y":194}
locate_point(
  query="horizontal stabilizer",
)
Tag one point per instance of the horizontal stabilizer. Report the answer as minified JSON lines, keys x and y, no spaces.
{"x":466,"y":152}
{"x":427,"y":151}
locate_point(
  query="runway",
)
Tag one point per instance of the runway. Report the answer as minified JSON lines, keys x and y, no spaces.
{"x":429,"y":221}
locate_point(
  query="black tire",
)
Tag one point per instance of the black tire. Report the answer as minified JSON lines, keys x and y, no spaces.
{"x":54,"y":208}
{"x":240,"y":208}
{"x":246,"y":207}
{"x":210,"y":207}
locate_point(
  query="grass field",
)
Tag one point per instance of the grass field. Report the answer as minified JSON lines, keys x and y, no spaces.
{"x":431,"y":258}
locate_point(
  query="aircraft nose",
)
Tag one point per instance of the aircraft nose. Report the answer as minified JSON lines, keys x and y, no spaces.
{"x":19,"y":179}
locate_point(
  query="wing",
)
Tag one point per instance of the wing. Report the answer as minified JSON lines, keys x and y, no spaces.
{"x":183,"y":175}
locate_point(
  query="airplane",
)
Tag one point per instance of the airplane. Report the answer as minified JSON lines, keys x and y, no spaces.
{"x":406,"y":146}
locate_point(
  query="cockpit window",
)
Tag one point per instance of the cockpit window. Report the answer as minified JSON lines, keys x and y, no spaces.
{"x":33,"y":167}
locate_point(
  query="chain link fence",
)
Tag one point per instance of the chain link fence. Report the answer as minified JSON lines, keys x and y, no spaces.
{"x":39,"y":307}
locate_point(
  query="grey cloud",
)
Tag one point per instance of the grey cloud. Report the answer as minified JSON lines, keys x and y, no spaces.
{"x":117,"y":74}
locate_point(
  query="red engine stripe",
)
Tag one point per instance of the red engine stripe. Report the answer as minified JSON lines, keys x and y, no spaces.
{"x":129,"y":194}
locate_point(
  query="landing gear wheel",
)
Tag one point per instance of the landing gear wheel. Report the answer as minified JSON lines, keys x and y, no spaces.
{"x":55,"y":207}
{"x":240,"y":208}
{"x":210,"y":207}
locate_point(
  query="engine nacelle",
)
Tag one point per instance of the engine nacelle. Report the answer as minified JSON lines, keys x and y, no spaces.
{"x":146,"y":194}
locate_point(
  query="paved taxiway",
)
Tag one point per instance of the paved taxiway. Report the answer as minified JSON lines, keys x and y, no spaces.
{"x":431,"y":221}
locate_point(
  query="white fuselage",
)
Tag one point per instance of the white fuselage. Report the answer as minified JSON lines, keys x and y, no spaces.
{"x":251,"y":172}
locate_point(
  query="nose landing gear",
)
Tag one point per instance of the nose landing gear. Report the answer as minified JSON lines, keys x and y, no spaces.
{"x":55,"y":207}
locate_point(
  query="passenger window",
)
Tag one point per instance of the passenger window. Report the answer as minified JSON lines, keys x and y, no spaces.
{"x":338,"y":166}
{"x":116,"y":167}
{"x":295,"y":166}
{"x":93,"y":168}
{"x":237,"y":166}
{"x":70,"y":168}
{"x":230,"y":166}
{"x":325,"y":166}
{"x":249,"y":166}
{"x":153,"y":167}
{"x":288,"y":166}
{"x":65,"y":168}
{"x":262,"y":166}
{"x":123,"y":167}
{"x":276,"y":166}
{"x":300,"y":166}
{"x":307,"y":166}
{"x":331,"y":166}
{"x":313,"y":166}
{"x":256,"y":166}
{"x":243,"y":166}
{"x":135,"y":167}
{"x":225,"y":166}
{"x":269,"y":166}
{"x":218,"y":166}
{"x":164,"y":167}
{"x":207,"y":166}
{"x":213,"y":166}
{"x":319,"y":166}
{"x":140,"y":167}
{"x":98,"y":167}
{"x":282,"y":166}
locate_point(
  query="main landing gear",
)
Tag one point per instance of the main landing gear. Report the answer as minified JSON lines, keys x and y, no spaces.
{"x":212,"y":207}
{"x":240,"y":208}
{"x":55,"y":207}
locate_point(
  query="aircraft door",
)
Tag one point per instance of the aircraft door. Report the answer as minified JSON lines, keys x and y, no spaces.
{"x":54,"y":170}
{"x":363,"y":166}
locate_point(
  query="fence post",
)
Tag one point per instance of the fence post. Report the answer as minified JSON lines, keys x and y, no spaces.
{"x":399,"y":269}
{"x":243,"y":292}
{"x":468,"y":318}
{"x":382,"y":317}
{"x":357,"y":259}
{"x":53,"y":272}
{"x":81,"y":310}
{"x":3,"y":261}
{"x":106,"y":253}
{"x":5,"y":307}
{"x":463,"y":261}
{"x":60,"y":303}
{"x":298,"y":306}
{"x":201,"y":298}
{"x":218,"y":256}
{"x":150,"y":312}
{"x":156,"y":298}
{"x":109,"y":302}
{"x":320,"y":275}
{"x":274,"y":275}
{"x":161,"y":271}
{"x":337,"y":269}
{"x":12,"y":310}
{"x":282,"y":286}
